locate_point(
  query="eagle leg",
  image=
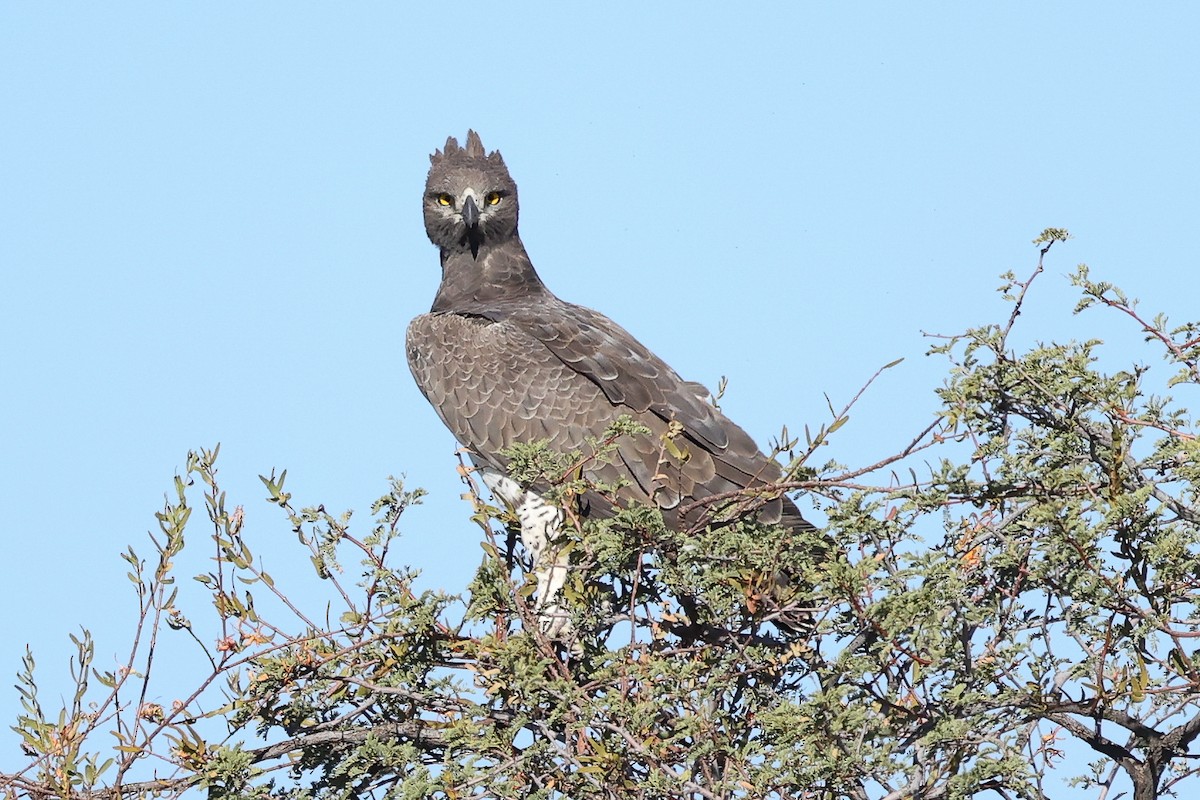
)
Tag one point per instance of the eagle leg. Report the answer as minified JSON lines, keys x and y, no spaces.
{"x":541,"y":532}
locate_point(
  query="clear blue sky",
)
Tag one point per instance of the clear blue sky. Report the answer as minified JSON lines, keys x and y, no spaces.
{"x":210,"y":231}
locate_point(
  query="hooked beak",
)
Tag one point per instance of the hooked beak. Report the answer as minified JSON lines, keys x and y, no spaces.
{"x":470,"y":217}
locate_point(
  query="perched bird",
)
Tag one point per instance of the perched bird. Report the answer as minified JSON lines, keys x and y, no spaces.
{"x":504,"y":361}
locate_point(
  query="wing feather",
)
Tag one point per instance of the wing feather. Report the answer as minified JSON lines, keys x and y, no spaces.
{"x":554,"y":371}
{"x":626,"y":371}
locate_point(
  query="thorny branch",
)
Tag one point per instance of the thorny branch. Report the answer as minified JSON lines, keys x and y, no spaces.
{"x":1041,"y":588}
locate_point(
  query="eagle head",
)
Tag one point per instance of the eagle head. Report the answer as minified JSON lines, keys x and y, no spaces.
{"x":470,"y":199}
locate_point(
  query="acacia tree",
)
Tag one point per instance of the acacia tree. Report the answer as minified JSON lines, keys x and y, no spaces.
{"x":1030,"y":587}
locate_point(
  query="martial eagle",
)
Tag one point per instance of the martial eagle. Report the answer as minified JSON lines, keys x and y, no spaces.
{"x":504,"y":361}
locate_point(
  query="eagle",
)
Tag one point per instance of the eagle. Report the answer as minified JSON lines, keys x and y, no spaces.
{"x":504,"y":362}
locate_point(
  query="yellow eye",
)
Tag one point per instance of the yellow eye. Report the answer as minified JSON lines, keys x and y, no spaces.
{"x":492,"y":198}
{"x":445,"y":199}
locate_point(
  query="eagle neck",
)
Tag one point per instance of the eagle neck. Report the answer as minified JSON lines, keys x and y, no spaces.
{"x":501,"y":271}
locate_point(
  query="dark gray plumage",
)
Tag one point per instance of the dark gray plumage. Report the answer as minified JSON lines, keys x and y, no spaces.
{"x":503,"y":360}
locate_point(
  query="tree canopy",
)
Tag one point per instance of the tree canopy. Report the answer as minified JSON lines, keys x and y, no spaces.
{"x":1017,"y":583}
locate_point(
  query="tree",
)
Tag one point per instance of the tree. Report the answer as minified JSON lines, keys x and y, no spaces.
{"x":1030,"y":586}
